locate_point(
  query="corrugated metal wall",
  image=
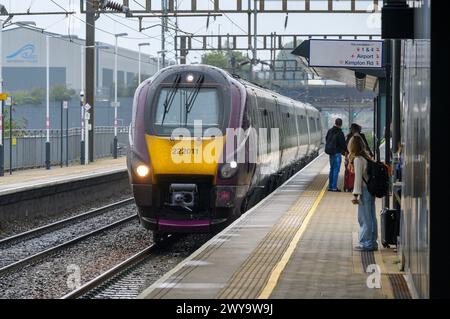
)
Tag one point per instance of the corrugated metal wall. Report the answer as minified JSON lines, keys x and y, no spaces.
{"x":416,"y":139}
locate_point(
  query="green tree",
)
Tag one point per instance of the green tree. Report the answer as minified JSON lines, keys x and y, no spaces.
{"x":37,"y":95}
{"x":60,"y":92}
{"x":229,"y":60}
{"x":22,"y":97}
{"x":16,"y":123}
{"x":217,"y":58}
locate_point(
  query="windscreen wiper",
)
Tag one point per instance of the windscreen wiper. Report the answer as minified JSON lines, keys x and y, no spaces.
{"x":170,"y":96}
{"x":193,"y":96}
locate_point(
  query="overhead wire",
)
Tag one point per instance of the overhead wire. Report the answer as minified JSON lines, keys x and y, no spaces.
{"x":58,"y":5}
{"x":125,"y":37}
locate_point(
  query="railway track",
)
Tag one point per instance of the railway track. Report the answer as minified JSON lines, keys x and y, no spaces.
{"x":124,"y":280}
{"x":45,"y":240}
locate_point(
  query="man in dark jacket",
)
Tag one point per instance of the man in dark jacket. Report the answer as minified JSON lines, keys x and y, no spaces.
{"x":335,"y":147}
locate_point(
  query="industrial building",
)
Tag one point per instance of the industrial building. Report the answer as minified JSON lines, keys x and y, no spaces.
{"x":24,"y":62}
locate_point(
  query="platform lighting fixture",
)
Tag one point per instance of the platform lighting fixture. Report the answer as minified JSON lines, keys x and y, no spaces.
{"x":139,"y":60}
{"x":115,"y":94}
{"x":24,"y":23}
{"x":160,"y":52}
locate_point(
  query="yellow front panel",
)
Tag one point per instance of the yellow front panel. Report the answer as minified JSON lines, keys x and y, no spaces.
{"x":184,"y":157}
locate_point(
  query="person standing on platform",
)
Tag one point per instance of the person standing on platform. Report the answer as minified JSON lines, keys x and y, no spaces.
{"x":367,"y":219}
{"x":335,"y":147}
{"x":349,"y":176}
{"x":356,"y":129}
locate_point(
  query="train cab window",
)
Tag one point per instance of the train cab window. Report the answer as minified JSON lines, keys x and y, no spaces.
{"x":183,"y":110}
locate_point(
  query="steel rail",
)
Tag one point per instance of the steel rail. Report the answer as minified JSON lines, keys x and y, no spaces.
{"x":58,"y":224}
{"x":21,"y":263}
{"x":104,"y":277}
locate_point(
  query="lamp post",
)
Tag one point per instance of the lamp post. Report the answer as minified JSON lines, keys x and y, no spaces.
{"x":139,"y":62}
{"x":47,"y":113}
{"x":158,"y":53}
{"x":116,"y":104}
{"x":84,"y":159}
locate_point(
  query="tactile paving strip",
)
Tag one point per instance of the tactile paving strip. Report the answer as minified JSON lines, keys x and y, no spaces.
{"x":367,"y":259}
{"x":249,"y":280}
{"x":399,"y":286}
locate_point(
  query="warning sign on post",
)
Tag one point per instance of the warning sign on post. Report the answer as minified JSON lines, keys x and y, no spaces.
{"x":346,"y":54}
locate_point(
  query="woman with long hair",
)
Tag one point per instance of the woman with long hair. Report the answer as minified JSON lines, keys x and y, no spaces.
{"x":358,"y":158}
{"x":349,"y":177}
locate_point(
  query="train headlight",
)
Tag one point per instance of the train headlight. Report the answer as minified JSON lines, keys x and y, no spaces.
{"x":228,"y":170}
{"x":190,"y":78}
{"x":142,"y":170}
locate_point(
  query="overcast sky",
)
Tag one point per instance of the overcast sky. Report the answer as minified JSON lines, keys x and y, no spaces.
{"x":109,"y":24}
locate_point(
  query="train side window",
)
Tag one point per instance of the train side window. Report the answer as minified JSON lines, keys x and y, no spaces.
{"x":300,"y":125}
{"x":271,"y":125}
{"x":306,"y":125}
{"x":312,"y":126}
{"x":264,"y":118}
{"x":303,"y":125}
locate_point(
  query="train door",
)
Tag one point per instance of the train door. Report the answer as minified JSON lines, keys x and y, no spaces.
{"x":297,"y":130}
{"x":275,"y":118}
{"x":252,"y":112}
{"x":309,"y":131}
{"x":303,"y":130}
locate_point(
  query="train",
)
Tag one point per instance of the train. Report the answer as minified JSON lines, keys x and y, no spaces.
{"x":206,"y":145}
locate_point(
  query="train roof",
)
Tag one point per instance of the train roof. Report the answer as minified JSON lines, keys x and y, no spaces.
{"x":210,"y":69}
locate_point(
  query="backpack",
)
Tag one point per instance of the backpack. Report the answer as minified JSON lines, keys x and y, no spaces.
{"x":330,"y":145}
{"x":378,"y":182}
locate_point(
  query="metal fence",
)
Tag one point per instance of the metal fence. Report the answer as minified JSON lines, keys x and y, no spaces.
{"x":28,"y":146}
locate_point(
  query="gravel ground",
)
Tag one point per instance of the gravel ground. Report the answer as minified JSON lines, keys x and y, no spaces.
{"x":49,"y":278}
{"x":12,"y":227}
{"x":22,"y":249}
{"x":151,"y":269}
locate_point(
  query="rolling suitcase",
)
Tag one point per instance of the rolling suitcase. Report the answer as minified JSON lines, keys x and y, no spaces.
{"x":349,"y":180}
{"x":390,"y":226}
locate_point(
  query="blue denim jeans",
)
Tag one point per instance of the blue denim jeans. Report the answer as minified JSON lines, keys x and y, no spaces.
{"x":367,"y":219}
{"x":335,"y":167}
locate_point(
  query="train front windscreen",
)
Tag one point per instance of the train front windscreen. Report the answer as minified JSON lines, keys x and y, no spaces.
{"x":180,"y":107}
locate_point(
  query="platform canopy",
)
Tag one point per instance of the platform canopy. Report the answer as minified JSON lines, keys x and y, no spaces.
{"x":363,"y":78}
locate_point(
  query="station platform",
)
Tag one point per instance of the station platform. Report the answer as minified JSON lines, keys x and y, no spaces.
{"x":30,"y":179}
{"x":296,"y":243}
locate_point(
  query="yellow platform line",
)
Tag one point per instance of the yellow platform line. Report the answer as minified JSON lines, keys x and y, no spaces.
{"x":278,"y":269}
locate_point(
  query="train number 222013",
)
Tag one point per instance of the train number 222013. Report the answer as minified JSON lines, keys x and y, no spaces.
{"x":184,"y":151}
